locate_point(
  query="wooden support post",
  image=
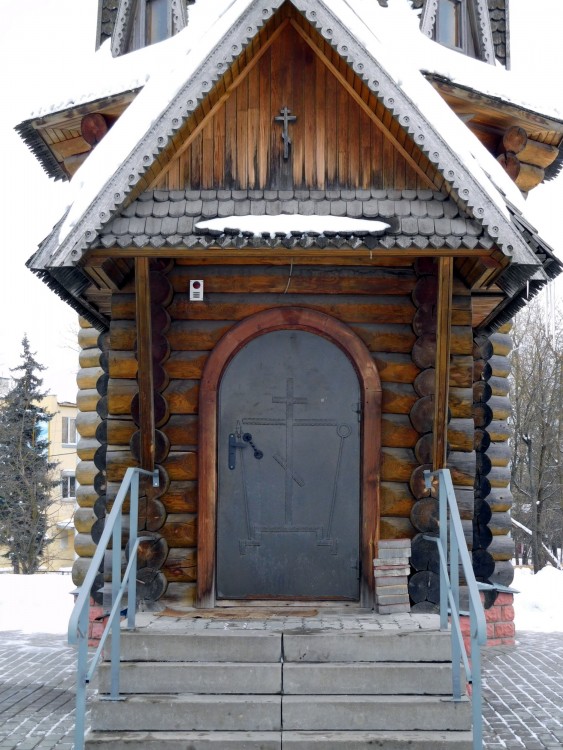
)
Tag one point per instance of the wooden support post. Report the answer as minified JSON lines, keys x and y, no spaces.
{"x":144,"y":359}
{"x":443,"y":334}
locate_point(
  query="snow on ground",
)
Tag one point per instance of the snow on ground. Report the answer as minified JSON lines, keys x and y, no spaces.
{"x":35,"y":604}
{"x":42,"y":603}
{"x":539,"y":605}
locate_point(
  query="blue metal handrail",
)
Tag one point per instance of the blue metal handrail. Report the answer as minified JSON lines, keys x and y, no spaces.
{"x":453,"y":554}
{"x":79,"y":619}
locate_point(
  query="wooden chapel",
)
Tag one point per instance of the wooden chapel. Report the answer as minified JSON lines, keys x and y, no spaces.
{"x":296,"y":258}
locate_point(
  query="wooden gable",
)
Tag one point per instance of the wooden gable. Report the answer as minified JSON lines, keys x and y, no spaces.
{"x":343,"y":136}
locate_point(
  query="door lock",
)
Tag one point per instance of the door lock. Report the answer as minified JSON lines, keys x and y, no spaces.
{"x":234,"y":445}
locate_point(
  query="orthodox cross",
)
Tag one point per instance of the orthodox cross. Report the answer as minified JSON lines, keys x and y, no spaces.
{"x":285,"y":117}
{"x":290,"y":422}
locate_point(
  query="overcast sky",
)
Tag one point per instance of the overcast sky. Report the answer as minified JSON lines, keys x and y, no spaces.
{"x":40,"y":40}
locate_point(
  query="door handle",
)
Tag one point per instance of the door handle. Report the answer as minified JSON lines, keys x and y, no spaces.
{"x":234,"y":444}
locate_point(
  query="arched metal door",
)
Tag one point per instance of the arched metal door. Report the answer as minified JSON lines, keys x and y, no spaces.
{"x":288,"y":515}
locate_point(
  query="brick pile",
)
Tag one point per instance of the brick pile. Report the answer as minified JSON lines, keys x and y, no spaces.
{"x":391,"y":571}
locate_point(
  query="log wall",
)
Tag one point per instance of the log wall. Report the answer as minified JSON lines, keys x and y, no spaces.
{"x":493,"y":547}
{"x":380,"y":304}
{"x":90,"y":471}
{"x":424,"y":581}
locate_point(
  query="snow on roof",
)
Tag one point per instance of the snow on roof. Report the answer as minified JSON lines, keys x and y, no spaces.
{"x":178,"y":58}
{"x":381,"y":34}
{"x":287,"y":223}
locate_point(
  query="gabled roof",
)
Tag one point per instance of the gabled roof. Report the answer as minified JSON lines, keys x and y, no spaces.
{"x":359,"y":32}
{"x":112,"y":171}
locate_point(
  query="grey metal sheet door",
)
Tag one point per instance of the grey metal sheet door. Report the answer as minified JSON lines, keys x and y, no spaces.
{"x":288,"y":516}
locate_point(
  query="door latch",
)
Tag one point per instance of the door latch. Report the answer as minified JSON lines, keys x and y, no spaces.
{"x":234,"y":445}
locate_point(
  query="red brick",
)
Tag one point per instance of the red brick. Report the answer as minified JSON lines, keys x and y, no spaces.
{"x":490,"y":630}
{"x":494,"y":614}
{"x":508,"y":613}
{"x":504,"y":630}
{"x":504,"y":599}
{"x":97,"y":629}
{"x":465,"y":625}
{"x":494,"y":642}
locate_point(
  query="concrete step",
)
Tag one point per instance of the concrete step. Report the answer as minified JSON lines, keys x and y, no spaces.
{"x":272,"y":740}
{"x":166,"y":713}
{"x":367,"y":646}
{"x":386,"y":740}
{"x":210,"y":645}
{"x":382,"y":678}
{"x":375,"y":712}
{"x":195,"y":677}
{"x":184,"y":741}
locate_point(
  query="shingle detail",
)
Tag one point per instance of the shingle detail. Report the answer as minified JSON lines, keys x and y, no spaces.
{"x":354,"y":209}
{"x":144,"y":209}
{"x":177,"y":209}
{"x":289,"y":206}
{"x":153,"y":226}
{"x":371,"y":208}
{"x":443,"y":227}
{"x":426,"y":226}
{"x":161,"y":209}
{"x":242,"y":208}
{"x":171,"y":220}
{"x":185,"y":225}
{"x":169,"y":225}
{"x":194,"y":207}
{"x":257,"y":207}
{"x":338,"y":208}
{"x":137,"y":225}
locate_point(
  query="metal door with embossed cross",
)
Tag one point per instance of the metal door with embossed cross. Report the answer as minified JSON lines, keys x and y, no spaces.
{"x":288,"y":516}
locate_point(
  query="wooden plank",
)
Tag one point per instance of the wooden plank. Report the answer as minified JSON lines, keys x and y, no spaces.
{"x":265,"y":119}
{"x":342,"y":135}
{"x":320,"y":124}
{"x":207,"y":177}
{"x":144,"y":357}
{"x":443,"y":332}
{"x":219,"y":137}
{"x":359,"y":100}
{"x":331,"y":129}
{"x":300,"y":58}
{"x":241,"y":161}
{"x":274,"y":280}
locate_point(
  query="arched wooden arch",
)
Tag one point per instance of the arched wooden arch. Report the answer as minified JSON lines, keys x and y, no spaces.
{"x":236,"y":338}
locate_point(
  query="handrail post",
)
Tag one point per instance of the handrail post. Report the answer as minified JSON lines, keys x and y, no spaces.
{"x":443,"y":519}
{"x":80,"y":617}
{"x":456,"y":645}
{"x":133,"y":526}
{"x":116,"y":625}
{"x":476,"y":694}
{"x":81,"y":678}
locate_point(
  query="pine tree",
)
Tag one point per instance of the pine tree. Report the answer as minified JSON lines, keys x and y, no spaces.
{"x":25,"y":470}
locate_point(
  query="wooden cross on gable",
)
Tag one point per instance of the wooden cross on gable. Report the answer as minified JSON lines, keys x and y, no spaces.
{"x":285,"y":117}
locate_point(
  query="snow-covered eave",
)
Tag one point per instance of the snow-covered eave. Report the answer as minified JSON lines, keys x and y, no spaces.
{"x":28,"y":130}
{"x":403,"y":90}
{"x":498,"y":101}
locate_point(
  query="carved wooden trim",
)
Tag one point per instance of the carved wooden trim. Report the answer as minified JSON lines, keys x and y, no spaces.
{"x":370,"y":385}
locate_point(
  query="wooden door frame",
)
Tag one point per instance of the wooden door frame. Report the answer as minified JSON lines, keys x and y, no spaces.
{"x":276,"y":319}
